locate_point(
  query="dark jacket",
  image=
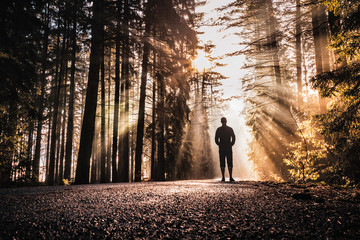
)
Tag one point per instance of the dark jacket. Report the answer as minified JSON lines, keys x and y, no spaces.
{"x":225,"y":137}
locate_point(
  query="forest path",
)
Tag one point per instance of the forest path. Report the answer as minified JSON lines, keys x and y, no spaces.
{"x":182,"y":209}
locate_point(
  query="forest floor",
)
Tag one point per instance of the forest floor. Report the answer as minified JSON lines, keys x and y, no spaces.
{"x":196,"y":209}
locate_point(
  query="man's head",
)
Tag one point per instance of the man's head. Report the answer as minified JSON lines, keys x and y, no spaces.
{"x":223,"y":120}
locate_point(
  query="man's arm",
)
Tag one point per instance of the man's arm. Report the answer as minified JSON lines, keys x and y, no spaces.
{"x":232,"y":137}
{"x":217,"y":137}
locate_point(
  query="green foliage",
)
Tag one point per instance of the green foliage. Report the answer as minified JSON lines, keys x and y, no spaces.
{"x":308,"y":158}
{"x":340,"y":125}
{"x":347,"y":39}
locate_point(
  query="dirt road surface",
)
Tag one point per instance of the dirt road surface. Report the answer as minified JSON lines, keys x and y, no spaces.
{"x":199,"y":209}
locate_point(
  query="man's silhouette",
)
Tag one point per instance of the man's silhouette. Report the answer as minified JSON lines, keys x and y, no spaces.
{"x":225,"y":139}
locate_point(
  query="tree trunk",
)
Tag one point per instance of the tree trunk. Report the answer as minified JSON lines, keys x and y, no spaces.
{"x":273,"y":43}
{"x":141,"y":115}
{"x":62,"y":152}
{"x":298,"y":55}
{"x":124,"y":166}
{"x":88,"y":125}
{"x":36,"y":161}
{"x":29,"y":150}
{"x":70,"y":125}
{"x":103,"y":116}
{"x":108,"y":165}
{"x":117,"y":98}
{"x":153,"y":130}
{"x":318,"y":50}
{"x":51,"y":177}
{"x":161,"y":137}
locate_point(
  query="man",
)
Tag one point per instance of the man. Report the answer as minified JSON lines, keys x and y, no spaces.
{"x":225,"y":139}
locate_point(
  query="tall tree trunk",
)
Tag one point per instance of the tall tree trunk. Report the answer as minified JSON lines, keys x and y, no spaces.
{"x":298,"y":55}
{"x":153,"y":130}
{"x":88,"y":126}
{"x":40,"y":117}
{"x":62,"y":152}
{"x":273,"y":43}
{"x":318,"y":50}
{"x":161,"y":133}
{"x":47,"y":164}
{"x":117,"y":98}
{"x":108,"y":165}
{"x":56,"y":99}
{"x":141,"y":115}
{"x":29,"y":150}
{"x":124,"y":166}
{"x":324,"y":36}
{"x":103,"y":116}
{"x":94,"y":157}
{"x":70,"y":124}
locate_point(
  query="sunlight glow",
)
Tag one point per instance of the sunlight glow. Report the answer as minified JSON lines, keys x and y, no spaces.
{"x":201,"y":62}
{"x":226,"y":42}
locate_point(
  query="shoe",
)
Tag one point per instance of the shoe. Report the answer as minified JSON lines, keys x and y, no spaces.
{"x":223,"y":179}
{"x":232,"y":180}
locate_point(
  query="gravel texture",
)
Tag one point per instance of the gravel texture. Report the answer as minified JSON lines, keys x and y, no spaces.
{"x":198,"y":209}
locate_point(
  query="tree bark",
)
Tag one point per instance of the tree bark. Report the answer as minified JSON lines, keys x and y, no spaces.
{"x":125,"y":134}
{"x":117,"y":99}
{"x":40,"y":117}
{"x":51,"y":177}
{"x":298,"y":55}
{"x":153,"y":130}
{"x":161,"y":133}
{"x":88,"y":125}
{"x":70,"y":124}
{"x":103,"y":116}
{"x":141,"y":115}
{"x":108,"y":165}
{"x":318,"y":50}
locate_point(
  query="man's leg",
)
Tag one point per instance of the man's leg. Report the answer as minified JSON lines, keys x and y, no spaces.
{"x":222,"y":163}
{"x":223,"y":173}
{"x":230,"y":163}
{"x":230,"y":174}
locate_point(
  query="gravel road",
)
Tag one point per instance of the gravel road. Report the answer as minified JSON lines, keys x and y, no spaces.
{"x":198,"y":209}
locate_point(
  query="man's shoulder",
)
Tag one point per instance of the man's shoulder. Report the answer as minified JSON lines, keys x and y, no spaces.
{"x":230,"y":128}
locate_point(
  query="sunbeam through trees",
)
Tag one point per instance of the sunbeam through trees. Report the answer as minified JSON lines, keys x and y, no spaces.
{"x":131,"y":90}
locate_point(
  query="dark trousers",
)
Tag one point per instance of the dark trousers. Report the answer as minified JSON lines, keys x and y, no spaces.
{"x":228,"y":154}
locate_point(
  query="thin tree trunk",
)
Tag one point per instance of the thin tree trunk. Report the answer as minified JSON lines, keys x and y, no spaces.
{"x":324,"y":36}
{"x":141,"y":115}
{"x":108,"y":165}
{"x":103,"y":117}
{"x":70,"y":125}
{"x":124,"y":166}
{"x":62,"y":152}
{"x":40,"y":117}
{"x":161,"y":137}
{"x":275,"y":55}
{"x":88,"y":126}
{"x":318,"y":50}
{"x":51,"y":177}
{"x":117,"y":99}
{"x":94,"y":165}
{"x":29,"y":150}
{"x":153,"y":130}
{"x":298,"y":55}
